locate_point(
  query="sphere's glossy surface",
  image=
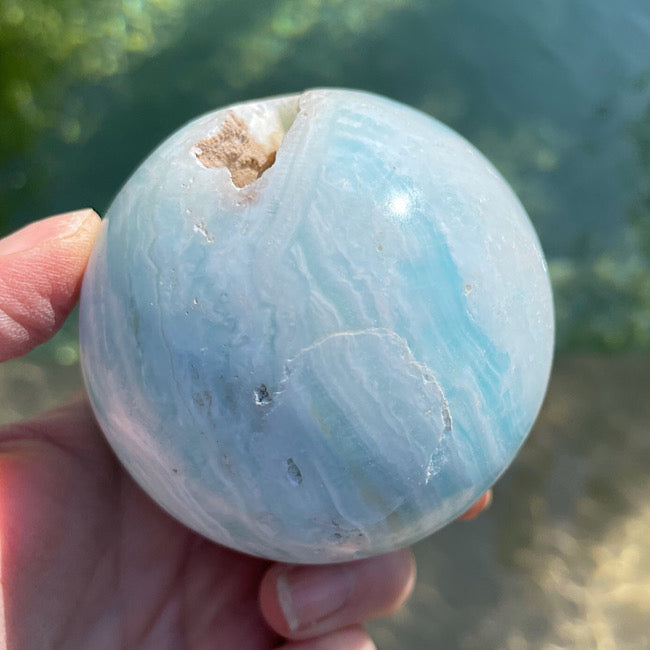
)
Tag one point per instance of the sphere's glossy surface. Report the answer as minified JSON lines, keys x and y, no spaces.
{"x":321,"y":354}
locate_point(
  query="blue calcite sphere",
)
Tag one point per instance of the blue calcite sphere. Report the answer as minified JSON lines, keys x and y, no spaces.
{"x":316,"y":327}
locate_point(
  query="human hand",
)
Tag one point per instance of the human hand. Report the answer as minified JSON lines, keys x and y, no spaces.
{"x":87,"y":560}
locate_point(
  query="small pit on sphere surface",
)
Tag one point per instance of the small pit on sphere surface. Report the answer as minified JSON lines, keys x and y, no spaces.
{"x":247,"y":144}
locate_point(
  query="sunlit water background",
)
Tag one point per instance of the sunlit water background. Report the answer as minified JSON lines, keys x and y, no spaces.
{"x":557,"y":94}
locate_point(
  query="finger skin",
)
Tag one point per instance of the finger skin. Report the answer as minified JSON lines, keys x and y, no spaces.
{"x":41,"y":268}
{"x":300,"y":602}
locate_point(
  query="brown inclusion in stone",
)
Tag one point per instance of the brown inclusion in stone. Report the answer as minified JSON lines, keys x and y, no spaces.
{"x":234,"y":147}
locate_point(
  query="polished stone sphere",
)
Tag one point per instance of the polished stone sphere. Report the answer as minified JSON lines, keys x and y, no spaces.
{"x":316,"y":327}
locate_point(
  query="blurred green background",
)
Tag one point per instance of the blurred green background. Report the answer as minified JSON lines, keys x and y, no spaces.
{"x":557,"y":94}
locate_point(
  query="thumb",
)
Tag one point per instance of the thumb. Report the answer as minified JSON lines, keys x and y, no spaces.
{"x":41,"y":267}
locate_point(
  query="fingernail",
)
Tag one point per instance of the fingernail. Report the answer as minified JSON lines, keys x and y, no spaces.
{"x":308,"y":597}
{"x":72,"y":221}
{"x":57,"y":227}
{"x":482,"y":504}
